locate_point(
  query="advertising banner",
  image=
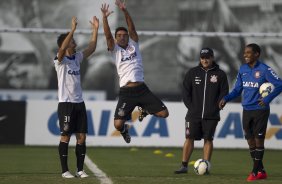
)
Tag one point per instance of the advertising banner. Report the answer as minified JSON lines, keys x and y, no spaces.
{"x":23,"y":95}
{"x":12,"y":122}
{"x":42,"y":126}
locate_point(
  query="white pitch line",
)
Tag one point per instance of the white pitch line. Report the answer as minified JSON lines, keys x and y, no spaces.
{"x":97,"y":172}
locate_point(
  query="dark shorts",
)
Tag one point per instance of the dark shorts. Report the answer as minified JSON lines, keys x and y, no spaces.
{"x":198,"y":129}
{"x":72,"y":118}
{"x":130,"y":97}
{"x":255,"y":123}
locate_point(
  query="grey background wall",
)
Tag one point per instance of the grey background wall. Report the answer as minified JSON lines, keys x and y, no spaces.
{"x":26,"y":58}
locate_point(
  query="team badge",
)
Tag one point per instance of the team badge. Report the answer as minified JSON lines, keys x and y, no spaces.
{"x":121,"y":112}
{"x":66,"y":127}
{"x":257,"y":74}
{"x":131,"y":49}
{"x":213,"y":78}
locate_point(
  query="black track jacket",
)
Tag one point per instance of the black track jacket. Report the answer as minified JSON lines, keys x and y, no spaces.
{"x":202,"y":91}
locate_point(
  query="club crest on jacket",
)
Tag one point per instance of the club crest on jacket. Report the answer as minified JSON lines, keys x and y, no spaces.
{"x":213,"y":78}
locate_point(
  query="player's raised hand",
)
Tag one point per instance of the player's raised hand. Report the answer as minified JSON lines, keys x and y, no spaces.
{"x":73,"y":23}
{"x":121,"y":4}
{"x":105,"y":10}
{"x":94,"y":22}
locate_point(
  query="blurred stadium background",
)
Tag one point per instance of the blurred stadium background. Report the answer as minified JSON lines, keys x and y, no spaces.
{"x":171,"y":35}
{"x":26,"y":58}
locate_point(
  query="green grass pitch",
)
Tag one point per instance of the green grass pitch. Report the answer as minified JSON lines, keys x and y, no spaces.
{"x":40,"y":165}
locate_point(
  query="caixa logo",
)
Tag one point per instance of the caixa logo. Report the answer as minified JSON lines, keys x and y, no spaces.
{"x":233,"y":126}
{"x":155,"y":126}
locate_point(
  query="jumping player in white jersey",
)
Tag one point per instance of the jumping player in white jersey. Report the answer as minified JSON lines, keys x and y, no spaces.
{"x":133,"y":91}
{"x":71,"y":107}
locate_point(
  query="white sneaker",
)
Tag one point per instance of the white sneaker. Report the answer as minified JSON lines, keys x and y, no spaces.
{"x":81,"y":174}
{"x":67,"y":174}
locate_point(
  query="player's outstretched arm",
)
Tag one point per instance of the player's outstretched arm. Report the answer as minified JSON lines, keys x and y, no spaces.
{"x":65,"y":44}
{"x":131,"y":27}
{"x":93,"y":42}
{"x":107,"y":31}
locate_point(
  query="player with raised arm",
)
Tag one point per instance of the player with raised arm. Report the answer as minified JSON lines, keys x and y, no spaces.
{"x":71,"y":107}
{"x":133,"y":91}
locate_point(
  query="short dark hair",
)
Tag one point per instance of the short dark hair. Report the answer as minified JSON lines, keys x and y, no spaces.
{"x":120,"y":29}
{"x":61,"y":39}
{"x":255,"y":47}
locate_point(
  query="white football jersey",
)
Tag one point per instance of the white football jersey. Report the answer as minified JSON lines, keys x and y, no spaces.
{"x":129,"y":63}
{"x":68,"y":74}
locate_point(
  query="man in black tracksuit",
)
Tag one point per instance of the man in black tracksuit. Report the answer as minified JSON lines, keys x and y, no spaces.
{"x":204,"y":86}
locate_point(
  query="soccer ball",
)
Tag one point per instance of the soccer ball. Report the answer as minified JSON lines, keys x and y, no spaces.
{"x":265,"y":89}
{"x":202,"y":167}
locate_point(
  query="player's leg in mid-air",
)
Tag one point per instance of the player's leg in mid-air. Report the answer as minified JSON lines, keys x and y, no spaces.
{"x":123,"y":128}
{"x":150,"y":104}
{"x":123,"y":111}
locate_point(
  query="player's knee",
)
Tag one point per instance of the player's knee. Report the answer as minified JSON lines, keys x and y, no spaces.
{"x":118,"y":123}
{"x":251,"y":142}
{"x":163,"y":113}
{"x":65,"y":138}
{"x":208,"y":140}
{"x":80,"y":137}
{"x":166,"y":114}
{"x":259,"y":142}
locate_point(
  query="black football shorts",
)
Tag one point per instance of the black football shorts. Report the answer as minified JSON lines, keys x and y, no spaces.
{"x":72,"y":118}
{"x":200,"y":129}
{"x":130,"y":97}
{"x":255,"y":123}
